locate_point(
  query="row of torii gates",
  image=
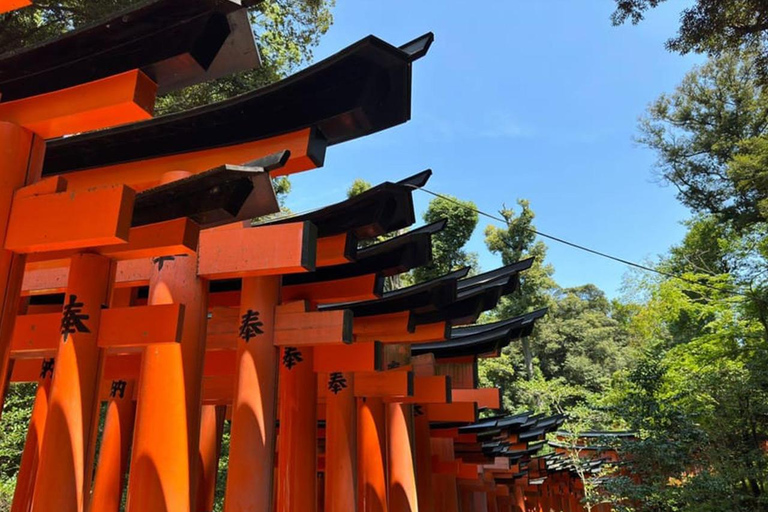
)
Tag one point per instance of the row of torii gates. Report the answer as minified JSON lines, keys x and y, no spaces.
{"x":134,"y":278}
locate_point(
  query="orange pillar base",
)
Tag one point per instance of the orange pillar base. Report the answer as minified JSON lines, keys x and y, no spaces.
{"x":371,"y":460}
{"x":340,"y":444}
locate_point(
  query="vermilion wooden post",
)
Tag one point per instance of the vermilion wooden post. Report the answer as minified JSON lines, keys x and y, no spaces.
{"x":519,"y":495}
{"x":445,"y":488}
{"x":340,"y":444}
{"x":252,"y":445}
{"x":61,"y":478}
{"x":163,"y":474}
{"x":297,"y":442}
{"x":211,"y":430}
{"x":115,"y":446}
{"x":423,"y":460}
{"x":21,"y":163}
{"x":371,"y":459}
{"x":30,"y":457}
{"x":403,"y":496}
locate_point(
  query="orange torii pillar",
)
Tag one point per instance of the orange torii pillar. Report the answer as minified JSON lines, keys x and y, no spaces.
{"x":62,"y":477}
{"x":403,"y":496}
{"x":297,"y":442}
{"x":115,"y":446}
{"x":163,"y":474}
{"x":30,"y":457}
{"x":371,"y":455}
{"x":21,"y":163}
{"x":252,"y":446}
{"x":211,"y":430}
{"x":423,"y":460}
{"x":340,"y":444}
{"x":444,"y":483}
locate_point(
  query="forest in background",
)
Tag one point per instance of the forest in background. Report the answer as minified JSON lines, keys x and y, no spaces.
{"x":681,"y":359}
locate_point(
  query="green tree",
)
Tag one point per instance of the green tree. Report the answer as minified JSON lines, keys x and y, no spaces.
{"x":707,"y":26}
{"x":448,"y":252}
{"x":708,"y":136}
{"x":358,"y":187}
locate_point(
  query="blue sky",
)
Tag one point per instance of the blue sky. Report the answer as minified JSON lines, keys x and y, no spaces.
{"x":535,"y":99}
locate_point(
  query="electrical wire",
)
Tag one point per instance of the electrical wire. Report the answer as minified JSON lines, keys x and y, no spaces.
{"x":584,"y":248}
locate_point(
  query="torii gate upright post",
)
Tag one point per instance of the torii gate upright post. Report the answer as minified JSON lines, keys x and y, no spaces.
{"x":166,"y":437}
{"x":61,"y":478}
{"x":21,"y":163}
{"x":252,"y":449}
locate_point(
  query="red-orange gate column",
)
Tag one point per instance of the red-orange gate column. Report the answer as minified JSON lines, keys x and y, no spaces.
{"x":30,"y":457}
{"x":371,"y":459}
{"x":403,"y":496}
{"x":115,"y":447}
{"x":163,"y":474}
{"x":211,"y":430}
{"x":340,"y":444}
{"x":21,"y":163}
{"x":444,"y":484}
{"x":423,"y":460}
{"x":61,"y":478}
{"x":297,"y":442}
{"x":252,"y":446}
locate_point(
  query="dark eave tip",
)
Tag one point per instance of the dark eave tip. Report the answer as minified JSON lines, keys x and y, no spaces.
{"x":419,"y":47}
{"x":271,"y":162}
{"x":417,"y":180}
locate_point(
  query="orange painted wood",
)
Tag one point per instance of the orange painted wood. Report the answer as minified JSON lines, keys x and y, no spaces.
{"x":428,"y":390}
{"x":403,"y":495}
{"x":144,"y":174}
{"x":259,"y":251}
{"x":133,"y":273}
{"x":357,"y":357}
{"x":340,"y":290}
{"x":62,"y":479}
{"x":250,"y":477}
{"x":313,"y":328}
{"x":445,"y":489}
{"x":423,"y":456}
{"x":119,"y":99}
{"x":36,"y":336}
{"x":384,"y":384}
{"x":485,"y":398}
{"x":218,"y":390}
{"x":30,"y":457}
{"x":371,"y":458}
{"x":122,"y":367}
{"x":332,"y":250}
{"x":141,"y":325}
{"x":70,"y":220}
{"x":211,"y":430}
{"x":21,"y":161}
{"x":297,"y":306}
{"x":370,"y":328}
{"x":12,"y":5}
{"x":341,"y":449}
{"x":52,"y":185}
{"x":169,"y":238}
{"x":468,"y":471}
{"x":26,"y":370}
{"x":297,"y":442}
{"x":164,"y":459}
{"x":422,"y":334}
{"x":114,"y":449}
{"x":220,"y":362}
{"x":457,"y":411}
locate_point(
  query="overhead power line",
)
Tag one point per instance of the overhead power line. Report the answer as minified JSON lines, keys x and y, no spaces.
{"x":584,"y":248}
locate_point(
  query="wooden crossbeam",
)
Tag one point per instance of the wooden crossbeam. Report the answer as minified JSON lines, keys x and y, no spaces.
{"x":336,"y":250}
{"x":170,"y":238}
{"x":119,"y":99}
{"x":460,"y":412}
{"x":383,"y":384}
{"x":144,"y":174}
{"x":70,"y":220}
{"x":12,"y":5}
{"x":485,"y":398}
{"x":259,"y":251}
{"x":357,"y":357}
{"x":341,"y":290}
{"x":138,"y":326}
{"x":36,"y":336}
{"x":398,"y":330}
{"x":293,"y":329}
{"x":428,"y":390}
